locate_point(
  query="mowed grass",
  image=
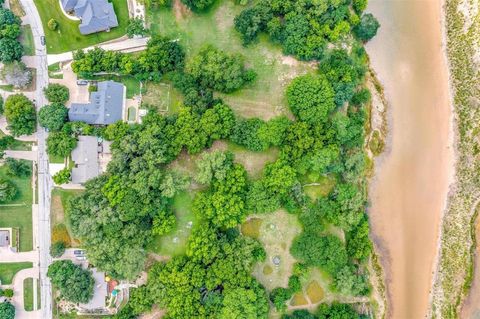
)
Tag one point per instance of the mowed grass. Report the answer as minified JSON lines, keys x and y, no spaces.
{"x":20,"y":215}
{"x":175,"y":242}
{"x":28,"y":294}
{"x":68,"y":37}
{"x":276,"y":232}
{"x":61,"y":224}
{"x":263,"y":98}
{"x":18,"y":145}
{"x":8,"y":271}
{"x":26,"y":39}
{"x":162,"y":96}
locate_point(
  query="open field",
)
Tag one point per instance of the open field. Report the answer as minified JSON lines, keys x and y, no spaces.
{"x":19,"y":216}
{"x":174,"y":243}
{"x":276,"y":232}
{"x":26,"y":39}
{"x":265,"y":97}
{"x":8,"y":271}
{"x":28,"y":294}
{"x":67,"y":37}
{"x":61,"y":229}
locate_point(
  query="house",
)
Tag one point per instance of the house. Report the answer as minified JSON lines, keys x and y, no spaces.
{"x":106,"y":106}
{"x":96,"y":15}
{"x":100,"y":293}
{"x":85,"y":157}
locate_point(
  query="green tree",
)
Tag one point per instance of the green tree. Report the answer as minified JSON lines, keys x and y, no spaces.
{"x":214,"y":165}
{"x":10,"y":50}
{"x":20,"y":114}
{"x":367,"y":28}
{"x":8,"y":191}
{"x":299,"y":314}
{"x":74,"y":283}
{"x":60,"y":144}
{"x":18,"y":168}
{"x":57,"y":249}
{"x":198,"y":5}
{"x":53,"y":116}
{"x":63,"y":176}
{"x":136,"y":27}
{"x":57,"y":93}
{"x":8,"y":293}
{"x":336,"y":311}
{"x":215,"y":69}
{"x":311,"y":98}
{"x":7,"y":310}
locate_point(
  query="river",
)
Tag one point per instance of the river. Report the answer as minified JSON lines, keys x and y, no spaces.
{"x":409,"y":190}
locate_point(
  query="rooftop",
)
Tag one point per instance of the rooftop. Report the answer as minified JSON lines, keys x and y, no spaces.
{"x":85,"y":156}
{"x":105,"y":106}
{"x":99,"y":292}
{"x":96,"y":15}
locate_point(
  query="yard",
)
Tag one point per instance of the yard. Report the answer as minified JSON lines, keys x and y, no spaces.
{"x":18,"y":145}
{"x":175,"y":242}
{"x":68,"y":37}
{"x":28,"y":294}
{"x":18,"y":213}
{"x":265,"y":97}
{"x":61,"y":229}
{"x":8,"y":271}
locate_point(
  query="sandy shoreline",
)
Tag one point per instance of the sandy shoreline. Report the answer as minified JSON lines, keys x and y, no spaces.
{"x":404,"y":214}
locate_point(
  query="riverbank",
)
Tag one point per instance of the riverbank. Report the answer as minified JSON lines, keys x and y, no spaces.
{"x":409,"y":190}
{"x":455,"y":268}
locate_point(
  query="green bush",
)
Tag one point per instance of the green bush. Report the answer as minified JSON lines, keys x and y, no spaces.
{"x":52,"y":24}
{"x":57,"y":249}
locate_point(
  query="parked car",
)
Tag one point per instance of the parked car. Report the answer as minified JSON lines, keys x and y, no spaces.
{"x":82,"y":82}
{"x":79,"y":252}
{"x":42,"y":40}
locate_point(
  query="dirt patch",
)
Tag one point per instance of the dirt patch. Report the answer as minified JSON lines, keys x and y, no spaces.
{"x":251,"y":228}
{"x":299,"y":300}
{"x":315,"y":292}
{"x":181,"y":11}
{"x":57,"y":210}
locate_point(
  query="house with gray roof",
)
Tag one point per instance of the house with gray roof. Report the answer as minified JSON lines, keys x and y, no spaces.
{"x":106,"y":106}
{"x":85,"y":158}
{"x":96,"y":15}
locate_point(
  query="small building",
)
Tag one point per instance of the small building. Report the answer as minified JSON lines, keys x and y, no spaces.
{"x":106,"y":106}
{"x":85,"y":157}
{"x":4,"y":238}
{"x":96,"y":15}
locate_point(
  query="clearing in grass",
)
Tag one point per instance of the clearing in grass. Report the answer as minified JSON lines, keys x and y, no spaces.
{"x":61,"y":225}
{"x":263,"y":98}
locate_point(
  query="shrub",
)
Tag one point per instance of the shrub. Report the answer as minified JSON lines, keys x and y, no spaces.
{"x":8,"y":191}
{"x":53,"y":116}
{"x":57,"y":93}
{"x":20,"y":168}
{"x":57,"y":249}
{"x":62,"y":177}
{"x":52,"y":24}
{"x":367,"y":28}
{"x":8,"y":293}
{"x":198,"y":5}
{"x":7,"y":310}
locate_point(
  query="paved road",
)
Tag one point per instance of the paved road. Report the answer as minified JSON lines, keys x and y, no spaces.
{"x":44,"y":179}
{"x":126,"y":45}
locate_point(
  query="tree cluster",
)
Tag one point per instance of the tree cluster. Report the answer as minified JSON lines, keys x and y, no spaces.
{"x":305,"y":28}
{"x":10,"y":48}
{"x":20,"y":114}
{"x":74,"y":283}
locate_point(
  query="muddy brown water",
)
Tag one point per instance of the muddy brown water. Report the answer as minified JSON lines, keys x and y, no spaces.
{"x":408,"y":192}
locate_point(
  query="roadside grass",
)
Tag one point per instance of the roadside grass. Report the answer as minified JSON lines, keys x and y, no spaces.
{"x":8,"y":271}
{"x":68,"y":37}
{"x":16,"y":8}
{"x":28,"y":294}
{"x":264,"y":97}
{"x":55,"y":159}
{"x":61,"y":224}
{"x":19,"y":216}
{"x":175,"y":242}
{"x":276,"y":232}
{"x":26,"y":39}
{"x":54,"y":71}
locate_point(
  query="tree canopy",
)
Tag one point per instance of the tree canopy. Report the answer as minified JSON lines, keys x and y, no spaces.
{"x":57,"y":93}
{"x":7,"y":310}
{"x":21,"y":115}
{"x":74,"y":283}
{"x":53,"y":116}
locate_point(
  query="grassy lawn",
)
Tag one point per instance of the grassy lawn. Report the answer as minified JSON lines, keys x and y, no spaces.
{"x":26,"y":39}
{"x":56,"y":159}
{"x":163,"y":96}
{"x":8,"y":271}
{"x":61,"y":227}
{"x":28,"y":294}
{"x":68,"y":37}
{"x":174,"y":243}
{"x":18,"y":145}
{"x":19,"y":216}
{"x":263,"y":98}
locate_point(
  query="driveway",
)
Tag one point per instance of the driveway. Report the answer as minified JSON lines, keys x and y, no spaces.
{"x":8,"y":256}
{"x":78,"y":93}
{"x":17,"y":299}
{"x":129,"y":45}
{"x":27,"y":155}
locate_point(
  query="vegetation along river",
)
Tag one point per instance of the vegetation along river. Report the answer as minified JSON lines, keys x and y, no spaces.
{"x":409,"y":191}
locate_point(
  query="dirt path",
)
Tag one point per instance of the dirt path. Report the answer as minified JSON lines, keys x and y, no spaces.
{"x":410,"y":187}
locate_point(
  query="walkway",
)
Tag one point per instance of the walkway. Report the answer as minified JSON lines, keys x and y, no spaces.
{"x":27,"y":155}
{"x":8,"y":256}
{"x":130,"y":45}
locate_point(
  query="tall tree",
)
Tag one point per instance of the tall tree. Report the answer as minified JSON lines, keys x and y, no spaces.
{"x":20,"y":114}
